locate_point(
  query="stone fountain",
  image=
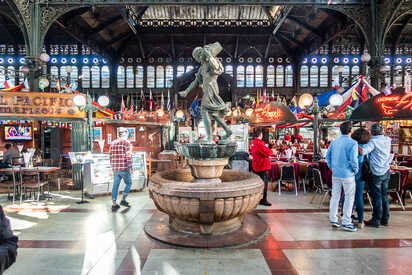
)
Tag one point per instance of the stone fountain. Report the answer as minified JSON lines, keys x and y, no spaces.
{"x":206,"y":206}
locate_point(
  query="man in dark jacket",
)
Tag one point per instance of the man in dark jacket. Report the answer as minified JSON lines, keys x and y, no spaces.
{"x":8,"y":243}
{"x":261,"y":162}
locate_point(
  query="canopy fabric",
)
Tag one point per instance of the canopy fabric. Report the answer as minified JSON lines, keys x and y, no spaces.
{"x":381,"y":107}
{"x":272,"y":113}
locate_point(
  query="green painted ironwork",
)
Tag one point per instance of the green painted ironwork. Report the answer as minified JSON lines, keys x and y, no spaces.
{"x":80,"y":135}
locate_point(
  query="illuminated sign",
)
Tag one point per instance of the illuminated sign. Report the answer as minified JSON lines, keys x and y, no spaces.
{"x":390,"y":105}
{"x":266,"y":114}
{"x":35,"y":104}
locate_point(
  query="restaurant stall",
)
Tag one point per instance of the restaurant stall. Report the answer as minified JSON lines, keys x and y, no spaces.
{"x":395,"y":112}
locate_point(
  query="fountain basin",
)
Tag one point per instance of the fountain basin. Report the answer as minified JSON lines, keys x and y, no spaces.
{"x":213,"y":206}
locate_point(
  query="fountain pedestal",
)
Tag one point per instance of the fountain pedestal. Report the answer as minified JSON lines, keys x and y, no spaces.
{"x":205,"y":202}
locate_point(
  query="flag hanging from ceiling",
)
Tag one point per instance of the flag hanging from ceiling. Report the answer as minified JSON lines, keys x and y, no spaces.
{"x":58,"y":88}
{"x":169,"y":103}
{"x":257,"y":98}
{"x":150,"y":101}
{"x":122,"y":106}
{"x":6,"y":82}
{"x":141,"y":99}
{"x":195,"y":107}
{"x":387,"y":90}
{"x":162,"y":102}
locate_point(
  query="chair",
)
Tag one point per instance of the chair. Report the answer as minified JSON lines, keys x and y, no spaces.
{"x":323,"y":188}
{"x":12,"y":183}
{"x":287,"y":173}
{"x":395,"y":185}
{"x":31,"y":180}
{"x":308,"y":175}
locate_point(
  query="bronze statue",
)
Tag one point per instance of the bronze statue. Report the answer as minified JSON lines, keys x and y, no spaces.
{"x":212,"y":108}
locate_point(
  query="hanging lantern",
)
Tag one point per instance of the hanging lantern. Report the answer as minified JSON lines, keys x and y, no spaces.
{"x":180,"y":114}
{"x":305,"y":100}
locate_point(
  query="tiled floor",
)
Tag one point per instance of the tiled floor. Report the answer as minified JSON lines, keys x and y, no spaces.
{"x":61,"y":237}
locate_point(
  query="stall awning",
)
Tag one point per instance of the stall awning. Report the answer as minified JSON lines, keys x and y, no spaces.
{"x":381,"y":107}
{"x":272,"y":113}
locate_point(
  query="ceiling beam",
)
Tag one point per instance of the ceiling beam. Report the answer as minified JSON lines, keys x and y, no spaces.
{"x":77,"y":34}
{"x":236,"y":47}
{"x":402,"y":30}
{"x":281,"y":19}
{"x":325,"y":3}
{"x":268,"y":46}
{"x":172,"y":47}
{"x":118,"y":38}
{"x":283,"y":45}
{"x":291,"y":39}
{"x":141,"y":46}
{"x":305,"y":25}
{"x":104,"y":25}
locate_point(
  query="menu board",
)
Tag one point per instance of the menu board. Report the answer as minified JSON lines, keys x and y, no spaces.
{"x":100,"y":174}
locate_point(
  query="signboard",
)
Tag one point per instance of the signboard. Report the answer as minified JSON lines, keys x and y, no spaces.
{"x":38,"y":105}
{"x":273,"y":113}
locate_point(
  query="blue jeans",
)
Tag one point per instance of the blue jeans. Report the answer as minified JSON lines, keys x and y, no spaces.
{"x":360,"y":185}
{"x":118,"y":176}
{"x":380,"y":201}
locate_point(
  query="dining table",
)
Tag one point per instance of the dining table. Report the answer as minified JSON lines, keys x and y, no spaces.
{"x":300,"y":168}
{"x":42,"y":169}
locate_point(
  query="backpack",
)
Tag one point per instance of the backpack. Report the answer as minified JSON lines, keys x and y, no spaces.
{"x":366,"y":169}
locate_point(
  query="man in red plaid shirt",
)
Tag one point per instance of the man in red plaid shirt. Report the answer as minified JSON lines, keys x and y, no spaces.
{"x":121,"y":162}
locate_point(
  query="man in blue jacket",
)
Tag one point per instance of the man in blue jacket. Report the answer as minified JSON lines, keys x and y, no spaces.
{"x":342,"y":159}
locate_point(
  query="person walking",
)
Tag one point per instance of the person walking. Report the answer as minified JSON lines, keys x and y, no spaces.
{"x":342,"y":159}
{"x":121,"y":163}
{"x":379,"y":150}
{"x":261,"y":162}
{"x":362,"y":136}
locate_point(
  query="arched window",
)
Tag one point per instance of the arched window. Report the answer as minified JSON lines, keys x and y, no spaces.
{"x":74,"y":76}
{"x":86,"y":77}
{"x":355,"y":73}
{"x":314,"y":76}
{"x":323,"y":79}
{"x":12,"y":76}
{"x":240,"y":72}
{"x":335,"y":76}
{"x":150,"y":77}
{"x":169,"y":76}
{"x":250,"y":75}
{"x":280,"y":76}
{"x":120,"y":77}
{"x":388,"y":79}
{"x":345,"y":76}
{"x":129,"y":77}
{"x":54,"y":72}
{"x":270,"y":76}
{"x":139,"y":76}
{"x":160,"y":77}
{"x":2,"y":76}
{"x":95,"y":77}
{"x":229,"y":70}
{"x":398,"y":76}
{"x":21,"y":74}
{"x":180,"y":70}
{"x":189,"y":68}
{"x":105,"y":77}
{"x":259,"y":76}
{"x":289,"y":76}
{"x":304,"y":76}
{"x":63,"y":76}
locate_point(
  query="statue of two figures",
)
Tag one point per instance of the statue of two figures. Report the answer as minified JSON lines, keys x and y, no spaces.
{"x":212,"y":108}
